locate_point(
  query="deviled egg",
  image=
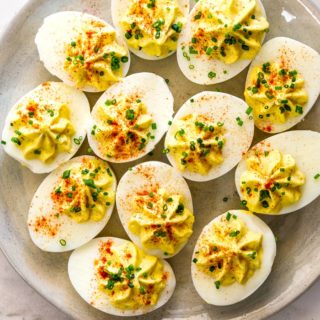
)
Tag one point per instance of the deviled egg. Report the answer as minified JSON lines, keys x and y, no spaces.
{"x":220,"y":39}
{"x":232,"y":258}
{"x":116,"y":277}
{"x":282,"y":84}
{"x":280,"y":174}
{"x":72,"y":204}
{"x":151,"y":27}
{"x":155,"y":207}
{"x":130,"y":118}
{"x":209,"y":135}
{"x":82,"y":50}
{"x":47,"y":126}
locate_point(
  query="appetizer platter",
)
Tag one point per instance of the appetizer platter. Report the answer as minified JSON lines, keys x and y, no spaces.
{"x":161,"y":158}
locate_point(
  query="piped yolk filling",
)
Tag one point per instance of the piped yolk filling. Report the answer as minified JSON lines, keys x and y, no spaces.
{"x":275,"y":94}
{"x":197,"y":143}
{"x":84,"y":192}
{"x":271,"y":182}
{"x":161,"y":220}
{"x":123,"y":127}
{"x":229,"y":252}
{"x":42,"y":130}
{"x":95,"y":58}
{"x":153,"y":26}
{"x":130,"y":278}
{"x":226,"y":30}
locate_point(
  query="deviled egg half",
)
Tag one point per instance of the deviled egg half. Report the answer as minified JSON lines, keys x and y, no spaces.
{"x":280,"y":174}
{"x":232,"y":258}
{"x":282,"y":84}
{"x":82,"y":50}
{"x":208,"y":136}
{"x":47,"y":126}
{"x":116,"y":277}
{"x":151,"y":27}
{"x":72,"y":204}
{"x":220,"y":39}
{"x":130,"y":118}
{"x":155,"y":207}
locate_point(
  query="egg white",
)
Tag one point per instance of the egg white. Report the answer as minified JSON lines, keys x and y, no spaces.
{"x":142,"y":176}
{"x":75,"y":234}
{"x":221,"y":107}
{"x":118,"y":9}
{"x":227,"y":295}
{"x":60,"y":29}
{"x":82,"y":276}
{"x":303,"y":146}
{"x":297,"y":56}
{"x":156,"y":96}
{"x":55,"y":92}
{"x":203,"y":65}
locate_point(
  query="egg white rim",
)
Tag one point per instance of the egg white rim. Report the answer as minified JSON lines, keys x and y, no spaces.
{"x":162,"y":126}
{"x":308,"y":163}
{"x":200,"y":279}
{"x":90,"y":225}
{"x":240,"y":65}
{"x":36,"y":165}
{"x":311,"y":76}
{"x":188,"y":107}
{"x":63,"y":75}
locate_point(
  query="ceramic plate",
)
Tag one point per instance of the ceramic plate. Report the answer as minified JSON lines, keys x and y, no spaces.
{"x":298,"y":257}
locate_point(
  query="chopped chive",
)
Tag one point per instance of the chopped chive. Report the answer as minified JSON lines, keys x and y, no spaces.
{"x":249,"y":110}
{"x":239,"y":121}
{"x":234,"y":233}
{"x":66,"y":174}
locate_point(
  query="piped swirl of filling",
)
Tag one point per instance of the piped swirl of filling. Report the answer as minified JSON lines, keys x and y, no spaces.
{"x":272,"y":181}
{"x":161,"y":220}
{"x":275,"y":93}
{"x":229,"y":252}
{"x":84,"y":192}
{"x":197,"y":144}
{"x":226,"y":30}
{"x":95,"y":57}
{"x":123,"y":127}
{"x":130,"y":278}
{"x":42,"y":130}
{"x":153,"y":26}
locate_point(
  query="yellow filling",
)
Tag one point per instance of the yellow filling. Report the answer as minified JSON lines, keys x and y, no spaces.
{"x":161,"y":220}
{"x":229,"y":252}
{"x":123,"y":127}
{"x":42,"y":130}
{"x":130,"y":278}
{"x":272,"y":181}
{"x":84,"y":191}
{"x":153,"y":26}
{"x":275,"y":94}
{"x":95,"y":58}
{"x":226,"y":30}
{"x":197,"y":143}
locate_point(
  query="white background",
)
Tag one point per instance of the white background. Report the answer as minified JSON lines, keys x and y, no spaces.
{"x":20,"y":302}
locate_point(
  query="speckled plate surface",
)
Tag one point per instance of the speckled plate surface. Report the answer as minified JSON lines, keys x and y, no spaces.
{"x":298,"y":258}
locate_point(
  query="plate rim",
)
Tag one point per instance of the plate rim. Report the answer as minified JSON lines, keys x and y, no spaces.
{"x":287,"y":297}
